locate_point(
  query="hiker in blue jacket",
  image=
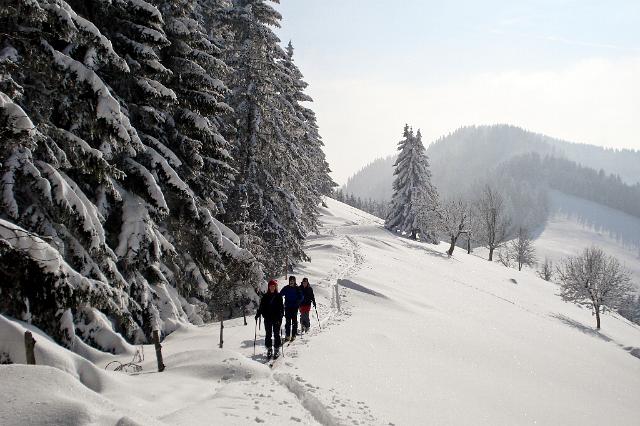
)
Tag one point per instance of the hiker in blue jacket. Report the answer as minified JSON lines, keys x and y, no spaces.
{"x":292,"y":299}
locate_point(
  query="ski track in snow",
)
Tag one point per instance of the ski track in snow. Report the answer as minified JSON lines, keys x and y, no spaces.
{"x":328,"y":408}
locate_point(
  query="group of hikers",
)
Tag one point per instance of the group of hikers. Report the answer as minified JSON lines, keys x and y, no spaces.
{"x":272,"y":309}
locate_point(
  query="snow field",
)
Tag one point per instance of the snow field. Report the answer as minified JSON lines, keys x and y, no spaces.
{"x":462,"y":341}
{"x":421,"y":338}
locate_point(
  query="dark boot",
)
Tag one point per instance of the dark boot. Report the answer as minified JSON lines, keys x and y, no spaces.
{"x":269,"y":353}
{"x":276,"y":354}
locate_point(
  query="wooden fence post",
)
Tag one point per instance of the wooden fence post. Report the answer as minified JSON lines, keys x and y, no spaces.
{"x":244,"y":313}
{"x":156,"y":341}
{"x":221,"y":331}
{"x":29,"y":345}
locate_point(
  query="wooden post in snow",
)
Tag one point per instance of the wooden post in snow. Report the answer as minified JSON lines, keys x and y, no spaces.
{"x":244,"y":313}
{"x":156,"y":342}
{"x":221,"y":330}
{"x":337,"y":286}
{"x":29,"y":346}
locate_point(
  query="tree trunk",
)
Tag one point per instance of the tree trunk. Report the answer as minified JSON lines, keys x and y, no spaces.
{"x":469,"y":245}
{"x":519,"y":266}
{"x":598,"y":318}
{"x":490,"y":254}
{"x":453,"y":246}
{"x":414,"y":235}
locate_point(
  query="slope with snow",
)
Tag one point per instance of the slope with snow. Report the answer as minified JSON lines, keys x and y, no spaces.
{"x":575,"y":224}
{"x":421,"y":338}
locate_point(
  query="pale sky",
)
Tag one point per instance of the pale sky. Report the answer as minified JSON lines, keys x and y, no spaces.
{"x":566,"y":68}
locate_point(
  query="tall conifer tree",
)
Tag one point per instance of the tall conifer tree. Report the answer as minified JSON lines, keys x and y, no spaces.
{"x":414,"y":195}
{"x":263,"y":149}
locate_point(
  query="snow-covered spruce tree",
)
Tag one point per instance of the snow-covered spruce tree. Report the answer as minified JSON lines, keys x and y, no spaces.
{"x":521,"y":249}
{"x":51,"y":175}
{"x":184,"y":150}
{"x":593,"y":279}
{"x":307,"y":142}
{"x":261,"y":145}
{"x":143,"y":246}
{"x":415,"y":199}
{"x":212,"y":258}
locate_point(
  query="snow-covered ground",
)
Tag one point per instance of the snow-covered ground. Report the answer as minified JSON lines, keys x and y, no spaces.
{"x":421,"y":339}
{"x":575,"y":224}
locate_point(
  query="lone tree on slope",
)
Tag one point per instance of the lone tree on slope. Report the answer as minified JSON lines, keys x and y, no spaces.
{"x":593,"y":279}
{"x":413,"y":191}
{"x":454,"y":221}
{"x":521,"y":249}
{"x":546,"y":270}
{"x":493,"y":223}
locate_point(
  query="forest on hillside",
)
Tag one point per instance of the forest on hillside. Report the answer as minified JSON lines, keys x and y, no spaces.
{"x":159,"y":161}
{"x":522,"y":165}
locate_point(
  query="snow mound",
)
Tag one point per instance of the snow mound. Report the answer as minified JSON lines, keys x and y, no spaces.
{"x":49,"y":353}
{"x":59,"y":398}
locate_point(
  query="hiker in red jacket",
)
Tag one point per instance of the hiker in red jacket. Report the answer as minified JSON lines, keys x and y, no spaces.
{"x":305,"y":306}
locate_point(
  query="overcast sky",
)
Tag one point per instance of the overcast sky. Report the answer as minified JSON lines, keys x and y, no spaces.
{"x":568,"y":69}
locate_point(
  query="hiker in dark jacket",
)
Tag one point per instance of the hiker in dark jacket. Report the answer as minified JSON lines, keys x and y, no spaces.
{"x":272,"y":310}
{"x":292,"y":299}
{"x":305,"y":307}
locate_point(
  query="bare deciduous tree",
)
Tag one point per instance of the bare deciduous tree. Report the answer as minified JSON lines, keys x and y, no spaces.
{"x":546,"y":270}
{"x":453,"y":221}
{"x":494,"y":225}
{"x":521,"y":249}
{"x":594,"y":279}
{"x":504,"y":257}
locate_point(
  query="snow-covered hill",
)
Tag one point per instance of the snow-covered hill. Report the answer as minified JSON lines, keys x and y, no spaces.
{"x":421,"y":339}
{"x":575,"y":224}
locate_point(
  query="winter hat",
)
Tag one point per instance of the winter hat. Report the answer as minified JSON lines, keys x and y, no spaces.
{"x":273,"y":283}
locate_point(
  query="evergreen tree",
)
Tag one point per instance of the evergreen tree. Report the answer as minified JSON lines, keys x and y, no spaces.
{"x":264,"y":152}
{"x":414,"y":197}
{"x":57,"y":174}
{"x":118,"y":161}
{"x":311,"y":178}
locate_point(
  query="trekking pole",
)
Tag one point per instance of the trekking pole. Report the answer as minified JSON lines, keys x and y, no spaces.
{"x":255,"y":337}
{"x":280,"y":335}
{"x":317,"y":316}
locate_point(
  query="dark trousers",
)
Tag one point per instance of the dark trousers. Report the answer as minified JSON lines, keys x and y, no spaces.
{"x":291,"y":315}
{"x":272,"y":328}
{"x":304,"y":320}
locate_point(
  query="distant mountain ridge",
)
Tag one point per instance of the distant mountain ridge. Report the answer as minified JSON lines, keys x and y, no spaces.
{"x":473,"y":151}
